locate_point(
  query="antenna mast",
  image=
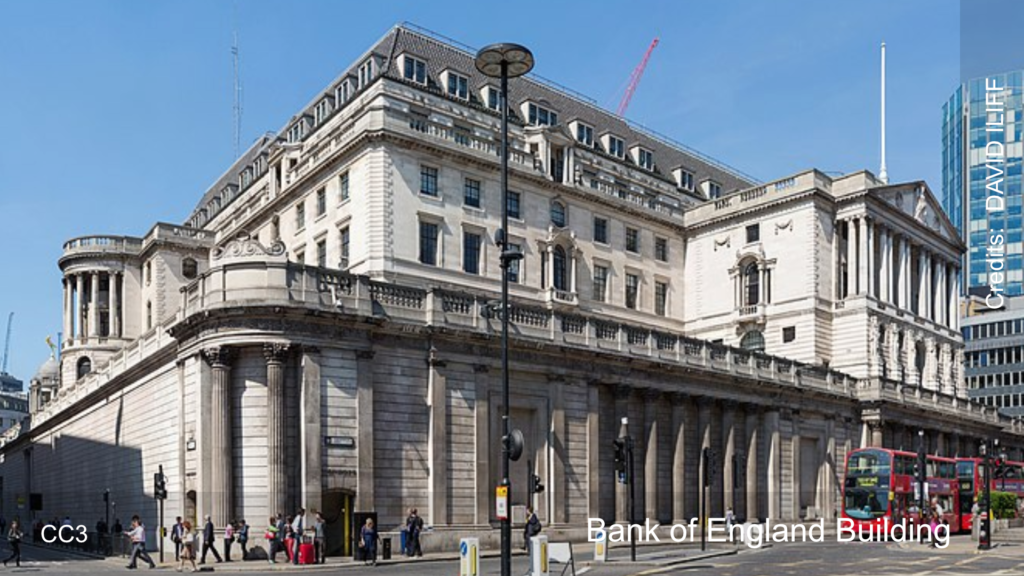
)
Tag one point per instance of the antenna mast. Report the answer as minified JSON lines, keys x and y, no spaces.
{"x":883,"y":174}
{"x":237,"y":108}
{"x":7,"y":344}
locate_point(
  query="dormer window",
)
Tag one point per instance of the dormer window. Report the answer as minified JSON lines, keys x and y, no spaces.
{"x":246,"y":177}
{"x":684,"y":178}
{"x":297,"y":132}
{"x":458,"y":85}
{"x":260,"y":165}
{"x":414,"y":69}
{"x":616,"y":146}
{"x":492,"y":97}
{"x":323,"y":109}
{"x":540,"y":116}
{"x":365,"y":73}
{"x":645,"y":159}
{"x":712,"y":189}
{"x":585,"y":134}
{"x":341,"y":93}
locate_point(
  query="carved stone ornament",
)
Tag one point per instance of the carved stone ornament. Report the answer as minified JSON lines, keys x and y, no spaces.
{"x":275,"y":351}
{"x":722,"y":242}
{"x":219,"y":355}
{"x":787,"y":225}
{"x":244,"y":246}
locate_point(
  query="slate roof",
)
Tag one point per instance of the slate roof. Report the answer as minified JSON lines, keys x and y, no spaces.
{"x":442,"y":54}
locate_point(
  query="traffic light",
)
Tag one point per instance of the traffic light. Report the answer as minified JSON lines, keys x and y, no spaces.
{"x":620,"y":458}
{"x":535,"y":486}
{"x":106,"y":496}
{"x":159,"y":486}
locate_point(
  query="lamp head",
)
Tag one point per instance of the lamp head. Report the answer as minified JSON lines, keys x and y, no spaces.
{"x":518,"y":60}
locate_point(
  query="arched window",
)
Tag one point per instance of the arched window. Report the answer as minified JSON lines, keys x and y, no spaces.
{"x":149,"y":314}
{"x":560,"y":269}
{"x":189,"y":268}
{"x":751,"y":284}
{"x":84,"y":366}
{"x":558,"y":214}
{"x":753,"y":341}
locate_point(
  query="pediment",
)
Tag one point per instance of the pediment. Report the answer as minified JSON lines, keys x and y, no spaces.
{"x":917,"y":201}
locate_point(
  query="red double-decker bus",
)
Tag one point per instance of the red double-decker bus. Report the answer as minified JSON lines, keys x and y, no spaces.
{"x":880,"y":486}
{"x":1006,"y":477}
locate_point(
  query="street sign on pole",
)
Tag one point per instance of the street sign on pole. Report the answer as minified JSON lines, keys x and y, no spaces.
{"x":501,"y":502}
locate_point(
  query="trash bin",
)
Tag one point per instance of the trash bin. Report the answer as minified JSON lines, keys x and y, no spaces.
{"x":385,"y":548}
{"x":405,"y":540}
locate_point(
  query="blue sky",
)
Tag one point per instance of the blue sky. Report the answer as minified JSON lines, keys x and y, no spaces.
{"x":118,"y":113}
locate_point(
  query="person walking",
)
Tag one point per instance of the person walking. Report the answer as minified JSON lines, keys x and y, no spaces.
{"x":272,"y":536}
{"x":283,"y":526}
{"x":368,"y":542}
{"x":188,"y":547}
{"x":319,"y":527}
{"x":14,"y":539}
{"x":209,"y":542}
{"x":531,"y":529}
{"x":138,"y":536}
{"x":229,"y":538}
{"x":243,"y":538}
{"x":298,"y":527}
{"x":176,"y":534}
{"x":413,"y":528}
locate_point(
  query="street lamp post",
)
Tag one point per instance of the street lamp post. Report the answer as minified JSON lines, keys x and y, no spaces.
{"x":505,"y":61}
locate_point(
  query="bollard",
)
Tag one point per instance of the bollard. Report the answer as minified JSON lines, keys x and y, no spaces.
{"x":469,"y":557}
{"x":539,"y":555}
{"x":601,"y":547}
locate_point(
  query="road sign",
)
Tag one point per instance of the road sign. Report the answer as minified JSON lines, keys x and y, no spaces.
{"x":501,"y":502}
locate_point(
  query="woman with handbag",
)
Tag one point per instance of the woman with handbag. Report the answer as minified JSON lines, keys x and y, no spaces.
{"x":14,"y":538}
{"x":188,"y":547}
{"x":272,"y":537}
{"x":368,"y":542}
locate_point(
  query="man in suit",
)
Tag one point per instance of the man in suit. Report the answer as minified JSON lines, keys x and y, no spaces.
{"x":177,"y":531}
{"x":298,"y":527}
{"x":209,"y":541}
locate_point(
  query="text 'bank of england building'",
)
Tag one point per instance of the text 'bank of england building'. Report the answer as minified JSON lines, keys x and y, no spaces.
{"x":322,"y":330}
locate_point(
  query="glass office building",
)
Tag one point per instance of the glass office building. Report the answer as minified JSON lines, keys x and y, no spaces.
{"x":965,"y":136}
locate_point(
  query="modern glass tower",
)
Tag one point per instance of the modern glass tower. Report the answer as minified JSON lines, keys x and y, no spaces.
{"x":966,"y":123}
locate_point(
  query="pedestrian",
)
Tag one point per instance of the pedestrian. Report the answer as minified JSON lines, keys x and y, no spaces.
{"x":138,"y":536}
{"x":188,"y":547}
{"x":272,"y":535}
{"x":933,"y":524}
{"x":229,"y":537}
{"x":730,"y":519}
{"x":243,"y":538}
{"x":531,"y":529}
{"x":319,"y":553}
{"x":413,"y":527}
{"x":298,"y":527}
{"x":368,"y":542}
{"x":284,"y":532}
{"x":176,"y":533}
{"x":14,"y":539}
{"x":209,"y":544}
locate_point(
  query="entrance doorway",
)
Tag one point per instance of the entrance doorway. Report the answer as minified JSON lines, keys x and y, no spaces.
{"x":337,"y":511}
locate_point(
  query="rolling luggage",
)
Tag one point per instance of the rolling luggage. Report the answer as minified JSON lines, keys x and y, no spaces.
{"x":306,"y":553}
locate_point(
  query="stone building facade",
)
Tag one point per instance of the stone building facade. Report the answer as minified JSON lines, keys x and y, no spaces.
{"x":321,"y":331}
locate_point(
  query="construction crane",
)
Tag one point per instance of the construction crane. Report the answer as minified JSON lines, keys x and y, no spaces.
{"x":634,"y":79}
{"x":7,"y":344}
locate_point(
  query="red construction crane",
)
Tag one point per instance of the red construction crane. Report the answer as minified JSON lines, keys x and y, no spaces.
{"x":634,"y":79}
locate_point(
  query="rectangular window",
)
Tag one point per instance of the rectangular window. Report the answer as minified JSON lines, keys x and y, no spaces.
{"x":343,"y":183}
{"x":632,"y":240}
{"x":493,"y":96}
{"x":322,"y":110}
{"x":584,"y":134}
{"x":471,"y":253}
{"x":788,"y":334}
{"x":321,"y":202}
{"x":686,"y":180}
{"x":472,"y":193}
{"x":514,"y":266}
{"x":600,"y":230}
{"x":660,"y":298}
{"x":428,"y":243}
{"x":540,"y":116}
{"x":365,"y":73}
{"x":661,"y":249}
{"x":415,"y":70}
{"x":646,"y":159}
{"x":714,"y":190}
{"x":632,"y":290}
{"x":513,"y":204}
{"x":753,"y":233}
{"x":300,"y":215}
{"x":321,"y":253}
{"x":428,"y":181}
{"x":344,"y":246}
{"x":600,"y":283}
{"x":458,"y":86}
{"x":616,"y":147}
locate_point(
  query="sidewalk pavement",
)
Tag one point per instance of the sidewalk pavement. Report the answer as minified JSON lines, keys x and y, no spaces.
{"x":1007,"y":541}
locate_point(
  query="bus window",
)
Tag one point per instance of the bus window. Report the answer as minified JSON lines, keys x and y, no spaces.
{"x":965,"y":470}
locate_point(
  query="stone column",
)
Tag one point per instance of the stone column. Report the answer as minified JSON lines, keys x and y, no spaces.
{"x":311,"y":438}
{"x":559,"y":453}
{"x":364,"y":425}
{"x":940,"y":306}
{"x":774,"y":437}
{"x":79,"y":307}
{"x":729,"y":454}
{"x":907,"y":274}
{"x":752,"y":506}
{"x":113,"y":311}
{"x":704,"y":493}
{"x":277,"y":470}
{"x":870,"y":257}
{"x":573,"y":256}
{"x":221,"y":487}
{"x":837,"y":268}
{"x":954,"y":300}
{"x":796,"y":480}
{"x":922,"y":282}
{"x":622,"y":394}
{"x":877,"y":437}
{"x":481,"y":420}
{"x":862,"y":257}
{"x":437,"y":441}
{"x":94,"y":304}
{"x":679,"y":484}
{"x":851,"y":257}
{"x":651,"y":398}
{"x":901,"y":299}
{"x":885,"y":265}
{"x":68,"y":296}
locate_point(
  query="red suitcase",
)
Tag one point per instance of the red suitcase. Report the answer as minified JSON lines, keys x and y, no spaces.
{"x":306,"y":554}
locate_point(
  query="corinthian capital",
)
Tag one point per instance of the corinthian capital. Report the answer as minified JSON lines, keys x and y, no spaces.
{"x":219,"y":356}
{"x":275,"y":352}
